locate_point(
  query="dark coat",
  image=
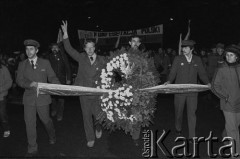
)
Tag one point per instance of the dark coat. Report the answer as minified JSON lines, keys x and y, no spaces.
{"x":87,"y":73}
{"x":226,"y":85}
{"x":187,"y":73}
{"x":213,"y":61}
{"x":26,"y":75}
{"x":60,"y":64}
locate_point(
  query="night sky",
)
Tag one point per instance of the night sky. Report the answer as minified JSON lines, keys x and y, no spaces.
{"x":212,"y":21}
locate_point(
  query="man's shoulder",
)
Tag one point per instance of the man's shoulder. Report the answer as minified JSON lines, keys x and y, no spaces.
{"x":82,"y":54}
{"x":197,"y":58}
{"x":23,"y":62}
{"x":222,"y":65}
{"x":3,"y":67}
{"x":179,"y":57}
{"x":43,"y":61}
{"x":100,"y":56}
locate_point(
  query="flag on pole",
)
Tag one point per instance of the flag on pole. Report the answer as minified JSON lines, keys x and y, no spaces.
{"x":179,"y":45}
{"x":60,"y":36}
{"x":188,"y":33}
{"x":186,"y":38}
{"x":118,"y":40}
{"x":97,"y":39}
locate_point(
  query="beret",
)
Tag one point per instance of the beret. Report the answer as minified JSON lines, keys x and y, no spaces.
{"x":31,"y":42}
{"x":188,"y":43}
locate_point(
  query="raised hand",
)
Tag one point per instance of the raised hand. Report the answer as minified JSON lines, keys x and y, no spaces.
{"x":64,"y":29}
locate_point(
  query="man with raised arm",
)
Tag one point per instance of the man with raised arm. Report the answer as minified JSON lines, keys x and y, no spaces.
{"x":88,"y":65}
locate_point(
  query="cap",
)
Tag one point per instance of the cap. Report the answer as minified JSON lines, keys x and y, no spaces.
{"x":188,"y":43}
{"x":31,"y":42}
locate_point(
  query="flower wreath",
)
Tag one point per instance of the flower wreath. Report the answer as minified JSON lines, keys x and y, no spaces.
{"x":127,"y":107}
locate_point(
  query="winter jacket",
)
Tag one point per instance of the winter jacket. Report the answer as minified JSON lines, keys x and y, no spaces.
{"x":226,"y":86}
{"x":60,"y":65}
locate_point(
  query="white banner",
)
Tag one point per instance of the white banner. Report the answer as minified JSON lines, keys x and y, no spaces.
{"x":67,"y":90}
{"x":177,"y":88}
{"x":154,"y":30}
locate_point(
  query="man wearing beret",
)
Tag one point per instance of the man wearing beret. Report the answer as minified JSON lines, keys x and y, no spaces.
{"x":185,"y":70}
{"x":30,"y":72}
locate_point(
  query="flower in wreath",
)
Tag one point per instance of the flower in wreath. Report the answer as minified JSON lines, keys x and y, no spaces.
{"x":127,"y":107}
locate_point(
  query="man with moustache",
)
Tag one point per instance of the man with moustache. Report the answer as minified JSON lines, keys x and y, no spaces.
{"x":30,"y":72}
{"x":134,"y":42}
{"x":60,"y":64}
{"x":185,"y":70}
{"x":88,"y":65}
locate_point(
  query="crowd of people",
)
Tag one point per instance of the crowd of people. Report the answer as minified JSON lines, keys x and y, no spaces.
{"x":217,"y":67}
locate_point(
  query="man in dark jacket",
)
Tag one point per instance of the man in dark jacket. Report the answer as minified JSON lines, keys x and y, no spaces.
{"x":215,"y":59}
{"x":60,"y":64}
{"x":88,"y":65}
{"x":30,"y":72}
{"x":185,"y":70}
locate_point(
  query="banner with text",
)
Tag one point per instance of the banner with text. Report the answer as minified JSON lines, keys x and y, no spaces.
{"x":148,"y":35}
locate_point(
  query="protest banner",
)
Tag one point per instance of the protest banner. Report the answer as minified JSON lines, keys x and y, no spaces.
{"x":148,"y":35}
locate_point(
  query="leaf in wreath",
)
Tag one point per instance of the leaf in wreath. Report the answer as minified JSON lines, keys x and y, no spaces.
{"x":100,"y":115}
{"x":146,"y":123}
{"x":129,"y":127}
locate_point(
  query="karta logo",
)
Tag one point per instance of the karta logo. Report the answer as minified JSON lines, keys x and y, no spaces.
{"x":183,"y":144}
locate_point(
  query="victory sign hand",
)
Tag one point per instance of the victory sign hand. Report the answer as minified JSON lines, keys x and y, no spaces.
{"x":64,"y":29}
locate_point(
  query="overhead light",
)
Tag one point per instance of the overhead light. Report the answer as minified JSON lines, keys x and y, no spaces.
{"x":89,"y":17}
{"x":97,"y":26}
{"x":171,"y":19}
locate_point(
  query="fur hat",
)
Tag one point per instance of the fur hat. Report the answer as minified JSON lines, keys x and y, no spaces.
{"x":234,"y":49}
